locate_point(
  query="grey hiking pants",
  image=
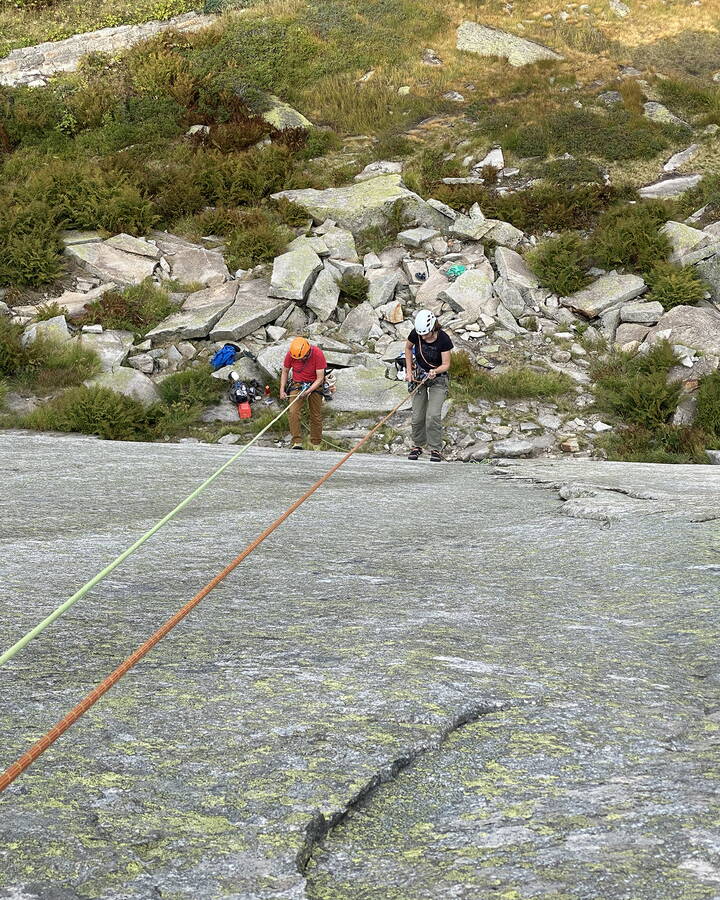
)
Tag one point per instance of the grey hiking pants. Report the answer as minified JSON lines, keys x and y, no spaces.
{"x":426,"y":409}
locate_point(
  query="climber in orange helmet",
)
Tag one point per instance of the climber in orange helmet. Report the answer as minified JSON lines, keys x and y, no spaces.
{"x":304,"y":370}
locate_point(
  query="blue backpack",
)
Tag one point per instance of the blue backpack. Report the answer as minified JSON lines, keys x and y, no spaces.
{"x":225,"y":356}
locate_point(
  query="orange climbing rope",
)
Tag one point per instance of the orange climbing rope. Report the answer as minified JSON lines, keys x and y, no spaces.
{"x":28,"y":758}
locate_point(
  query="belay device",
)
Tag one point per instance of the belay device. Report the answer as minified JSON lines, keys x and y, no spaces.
{"x":242,"y":394}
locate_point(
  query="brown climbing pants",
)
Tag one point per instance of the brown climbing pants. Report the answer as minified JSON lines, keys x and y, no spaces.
{"x":314,"y":402}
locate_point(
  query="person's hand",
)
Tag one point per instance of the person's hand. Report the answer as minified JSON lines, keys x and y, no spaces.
{"x":409,"y":376}
{"x":283,"y":394}
{"x":432,"y":373}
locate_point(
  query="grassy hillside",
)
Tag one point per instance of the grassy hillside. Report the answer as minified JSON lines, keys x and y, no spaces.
{"x":106,"y":148}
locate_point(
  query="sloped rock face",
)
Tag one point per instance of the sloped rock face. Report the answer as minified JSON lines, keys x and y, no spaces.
{"x":360,"y":206}
{"x":306,"y":712}
{"x":485,"y":41}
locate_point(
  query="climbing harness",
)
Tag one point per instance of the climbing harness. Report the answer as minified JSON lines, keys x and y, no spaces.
{"x":64,"y":607}
{"x":28,"y":758}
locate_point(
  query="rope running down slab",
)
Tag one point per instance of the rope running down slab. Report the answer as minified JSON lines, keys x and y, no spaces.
{"x":64,"y":607}
{"x":28,"y":758}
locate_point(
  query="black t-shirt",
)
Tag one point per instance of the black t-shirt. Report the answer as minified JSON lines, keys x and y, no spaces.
{"x":429,"y":355}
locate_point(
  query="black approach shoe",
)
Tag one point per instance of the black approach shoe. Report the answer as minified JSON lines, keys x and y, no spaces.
{"x":415,"y":453}
{"x":436,"y":456}
{"x":297,"y":447}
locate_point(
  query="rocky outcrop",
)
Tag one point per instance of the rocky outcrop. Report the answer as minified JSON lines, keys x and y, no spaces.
{"x":199,"y":312}
{"x":360,"y":206}
{"x":34,"y":65}
{"x":485,"y":41}
{"x":607,"y":292}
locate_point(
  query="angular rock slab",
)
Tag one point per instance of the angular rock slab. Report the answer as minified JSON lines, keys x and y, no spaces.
{"x":709,"y":271}
{"x":129,"y":383}
{"x":129,"y":244}
{"x":364,"y":389}
{"x":608,"y":291}
{"x":669,"y":187}
{"x":382,"y":285}
{"x":470,"y":295}
{"x":54,"y":329}
{"x":324,"y":295}
{"x":189,"y":263}
{"x":514,"y":269}
{"x":111,"y":347}
{"x":689,"y":245}
{"x":282,"y":116}
{"x":198,"y":314}
{"x":359,"y":322}
{"x":368,"y":203}
{"x":111,"y":264}
{"x":690,"y":326}
{"x":639,"y":313}
{"x":475,"y":38}
{"x":253,"y":308}
{"x":340,"y":243}
{"x":293,"y":273}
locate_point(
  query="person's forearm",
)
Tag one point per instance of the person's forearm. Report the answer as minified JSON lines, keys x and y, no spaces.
{"x":440,"y":369}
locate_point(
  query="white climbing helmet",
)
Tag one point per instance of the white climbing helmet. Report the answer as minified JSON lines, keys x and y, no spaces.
{"x":425,"y":321}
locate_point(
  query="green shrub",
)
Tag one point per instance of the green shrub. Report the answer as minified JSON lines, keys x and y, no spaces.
{"x":568,"y":172}
{"x":50,"y":365}
{"x":663,"y":444}
{"x":529,"y":130}
{"x":392,"y":144}
{"x":138,"y":308}
{"x":690,"y":97}
{"x":354,"y":288}
{"x":634,"y":388}
{"x":258,"y":239}
{"x":561,"y":263}
{"x":49,"y":310}
{"x":627,"y":237}
{"x":467,"y":381}
{"x":289,"y":213}
{"x":93,"y":410}
{"x":193,"y":387}
{"x":12,"y":352}
{"x":672,"y":286}
{"x":29,"y":246}
{"x":319,"y":142}
{"x":543,"y":207}
{"x":708,"y":408}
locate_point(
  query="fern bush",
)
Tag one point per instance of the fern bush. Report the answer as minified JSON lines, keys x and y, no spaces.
{"x":560,"y":263}
{"x":257,"y":239}
{"x":354,"y":289}
{"x":673,"y":286}
{"x":93,"y":410}
{"x":191,"y":388}
{"x":708,"y":408}
{"x":627,"y":237}
{"x":634,"y":388}
{"x":138,"y":308}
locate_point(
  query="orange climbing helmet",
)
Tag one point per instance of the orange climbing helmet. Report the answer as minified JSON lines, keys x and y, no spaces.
{"x":299,"y":348}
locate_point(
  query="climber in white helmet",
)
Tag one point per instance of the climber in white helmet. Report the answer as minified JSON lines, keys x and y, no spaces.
{"x":427,"y":360}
